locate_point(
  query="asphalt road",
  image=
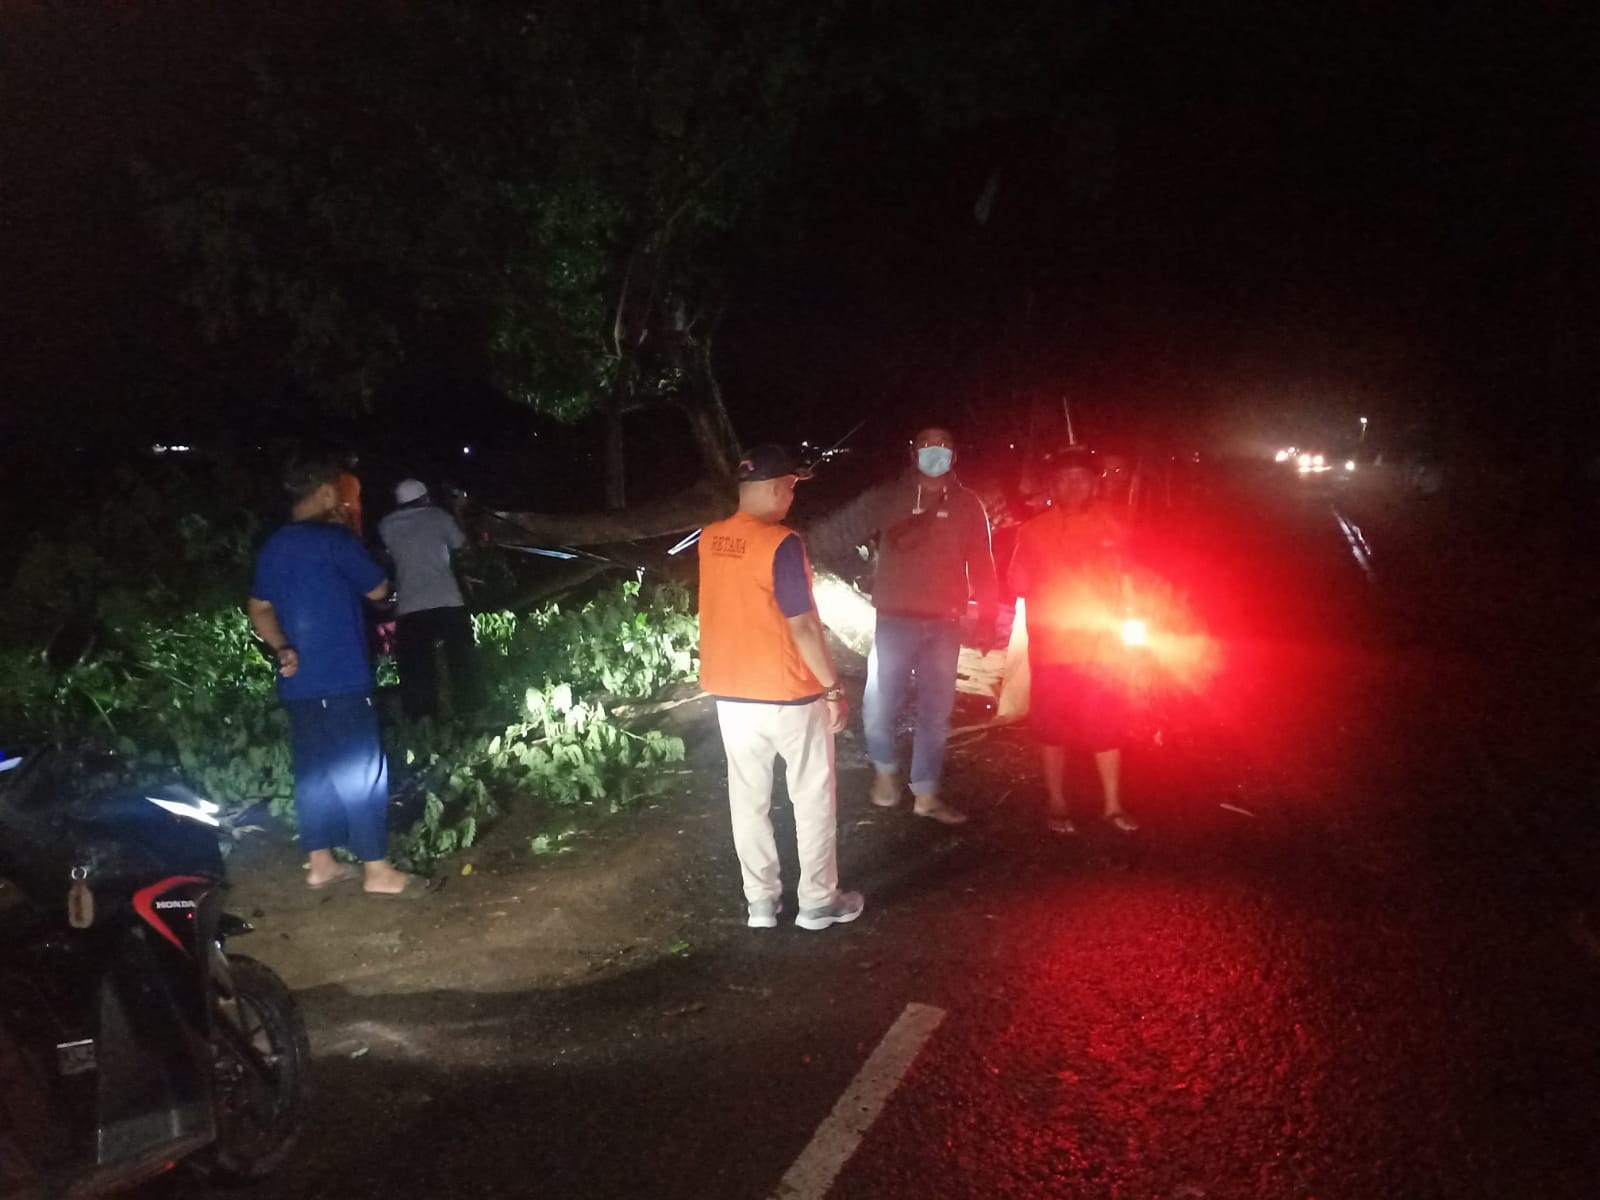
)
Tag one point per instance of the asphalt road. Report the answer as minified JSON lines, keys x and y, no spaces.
{"x":1334,"y":964}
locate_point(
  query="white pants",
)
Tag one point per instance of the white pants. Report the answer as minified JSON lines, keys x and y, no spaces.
{"x":753,"y":735}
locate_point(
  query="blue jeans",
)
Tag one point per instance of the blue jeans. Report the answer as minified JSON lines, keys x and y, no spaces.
{"x":906,"y":647}
{"x":341,"y":779}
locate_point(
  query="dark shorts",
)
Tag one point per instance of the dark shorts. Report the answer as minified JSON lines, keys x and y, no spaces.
{"x":1073,"y":707}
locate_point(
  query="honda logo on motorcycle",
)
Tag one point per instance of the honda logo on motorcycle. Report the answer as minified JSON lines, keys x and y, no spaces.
{"x":146,"y":904}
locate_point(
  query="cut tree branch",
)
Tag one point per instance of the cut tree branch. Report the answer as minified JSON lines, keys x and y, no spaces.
{"x":691,"y":509}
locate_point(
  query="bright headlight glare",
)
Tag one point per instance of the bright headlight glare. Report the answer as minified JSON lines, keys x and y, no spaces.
{"x":844,"y":610}
{"x":194,"y":812}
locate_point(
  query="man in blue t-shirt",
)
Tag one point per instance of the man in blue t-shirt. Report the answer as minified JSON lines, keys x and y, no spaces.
{"x":311,"y":579}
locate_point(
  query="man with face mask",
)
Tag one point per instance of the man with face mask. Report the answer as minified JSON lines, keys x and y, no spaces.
{"x":933,"y":557}
{"x":1069,"y":569}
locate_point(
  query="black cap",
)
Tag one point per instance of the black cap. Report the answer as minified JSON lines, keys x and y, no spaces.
{"x":769,"y":461}
{"x":1072,"y":457}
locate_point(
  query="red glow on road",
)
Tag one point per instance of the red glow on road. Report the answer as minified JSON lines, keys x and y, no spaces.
{"x":1168,"y":646}
{"x":1165,"y":651}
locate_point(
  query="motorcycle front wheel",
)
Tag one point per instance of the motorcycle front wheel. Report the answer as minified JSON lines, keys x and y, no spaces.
{"x":260,"y":1076}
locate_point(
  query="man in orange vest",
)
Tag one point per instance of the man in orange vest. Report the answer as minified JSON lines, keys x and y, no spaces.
{"x":764,"y":658}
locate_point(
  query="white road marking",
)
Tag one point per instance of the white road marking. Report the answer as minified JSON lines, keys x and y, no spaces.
{"x":841,"y":1132}
{"x":1358,"y":544}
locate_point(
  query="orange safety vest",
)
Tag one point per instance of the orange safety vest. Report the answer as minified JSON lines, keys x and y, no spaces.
{"x":350,"y":501}
{"x":746,"y":649}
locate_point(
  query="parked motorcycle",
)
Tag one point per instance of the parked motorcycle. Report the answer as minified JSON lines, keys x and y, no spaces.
{"x":131,"y":1041}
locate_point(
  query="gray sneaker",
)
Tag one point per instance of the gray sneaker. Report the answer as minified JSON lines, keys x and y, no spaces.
{"x":841,"y":912}
{"x":764,"y":914}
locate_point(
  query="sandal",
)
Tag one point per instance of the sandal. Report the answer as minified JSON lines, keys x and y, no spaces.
{"x":1122,"y":822}
{"x":939,"y":811}
{"x":345,"y":874}
{"x":416,"y":888}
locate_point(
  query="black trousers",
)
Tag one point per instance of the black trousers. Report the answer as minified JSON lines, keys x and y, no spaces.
{"x":416,"y":636}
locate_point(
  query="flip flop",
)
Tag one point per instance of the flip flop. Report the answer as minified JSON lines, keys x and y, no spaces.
{"x":942,"y":813}
{"x":416,"y":888}
{"x":345,"y":874}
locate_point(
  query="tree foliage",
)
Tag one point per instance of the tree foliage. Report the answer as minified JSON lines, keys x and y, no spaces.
{"x":171,"y":679}
{"x":561,"y":191}
{"x":548,"y":185}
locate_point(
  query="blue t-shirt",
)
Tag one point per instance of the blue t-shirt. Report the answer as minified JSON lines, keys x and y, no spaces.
{"x":315,"y":574}
{"x":791,"y":585}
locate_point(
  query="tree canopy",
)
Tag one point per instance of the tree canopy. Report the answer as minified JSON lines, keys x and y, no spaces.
{"x":559,"y":191}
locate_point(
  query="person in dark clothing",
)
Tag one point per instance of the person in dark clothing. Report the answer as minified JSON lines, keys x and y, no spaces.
{"x":305,"y":603}
{"x":933,"y":556}
{"x":1070,"y":572}
{"x":429,"y":609}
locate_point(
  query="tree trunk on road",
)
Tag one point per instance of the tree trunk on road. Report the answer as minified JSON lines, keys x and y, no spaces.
{"x":699,"y":505}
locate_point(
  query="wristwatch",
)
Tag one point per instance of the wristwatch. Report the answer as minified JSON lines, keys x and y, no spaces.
{"x":833,"y":693}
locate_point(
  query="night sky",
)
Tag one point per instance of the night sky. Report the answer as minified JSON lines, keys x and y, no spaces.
{"x":1242,"y":221}
{"x":1297,"y":210}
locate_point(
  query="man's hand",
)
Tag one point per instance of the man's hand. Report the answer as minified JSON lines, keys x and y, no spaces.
{"x":838,"y":714}
{"x":264,"y":620}
{"x":812,"y":643}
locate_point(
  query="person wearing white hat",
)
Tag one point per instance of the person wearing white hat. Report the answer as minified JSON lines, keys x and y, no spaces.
{"x":429,"y":609}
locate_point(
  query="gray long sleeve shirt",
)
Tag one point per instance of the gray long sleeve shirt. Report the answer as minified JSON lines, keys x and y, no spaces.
{"x":420,"y":540}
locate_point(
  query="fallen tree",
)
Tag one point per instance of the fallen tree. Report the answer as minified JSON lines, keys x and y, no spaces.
{"x":683,"y":513}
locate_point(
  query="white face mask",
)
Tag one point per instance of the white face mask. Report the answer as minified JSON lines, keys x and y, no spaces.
{"x":934,"y":461}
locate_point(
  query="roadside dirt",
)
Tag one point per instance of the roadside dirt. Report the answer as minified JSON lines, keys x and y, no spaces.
{"x":507,"y":917}
{"x":613,"y":889}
